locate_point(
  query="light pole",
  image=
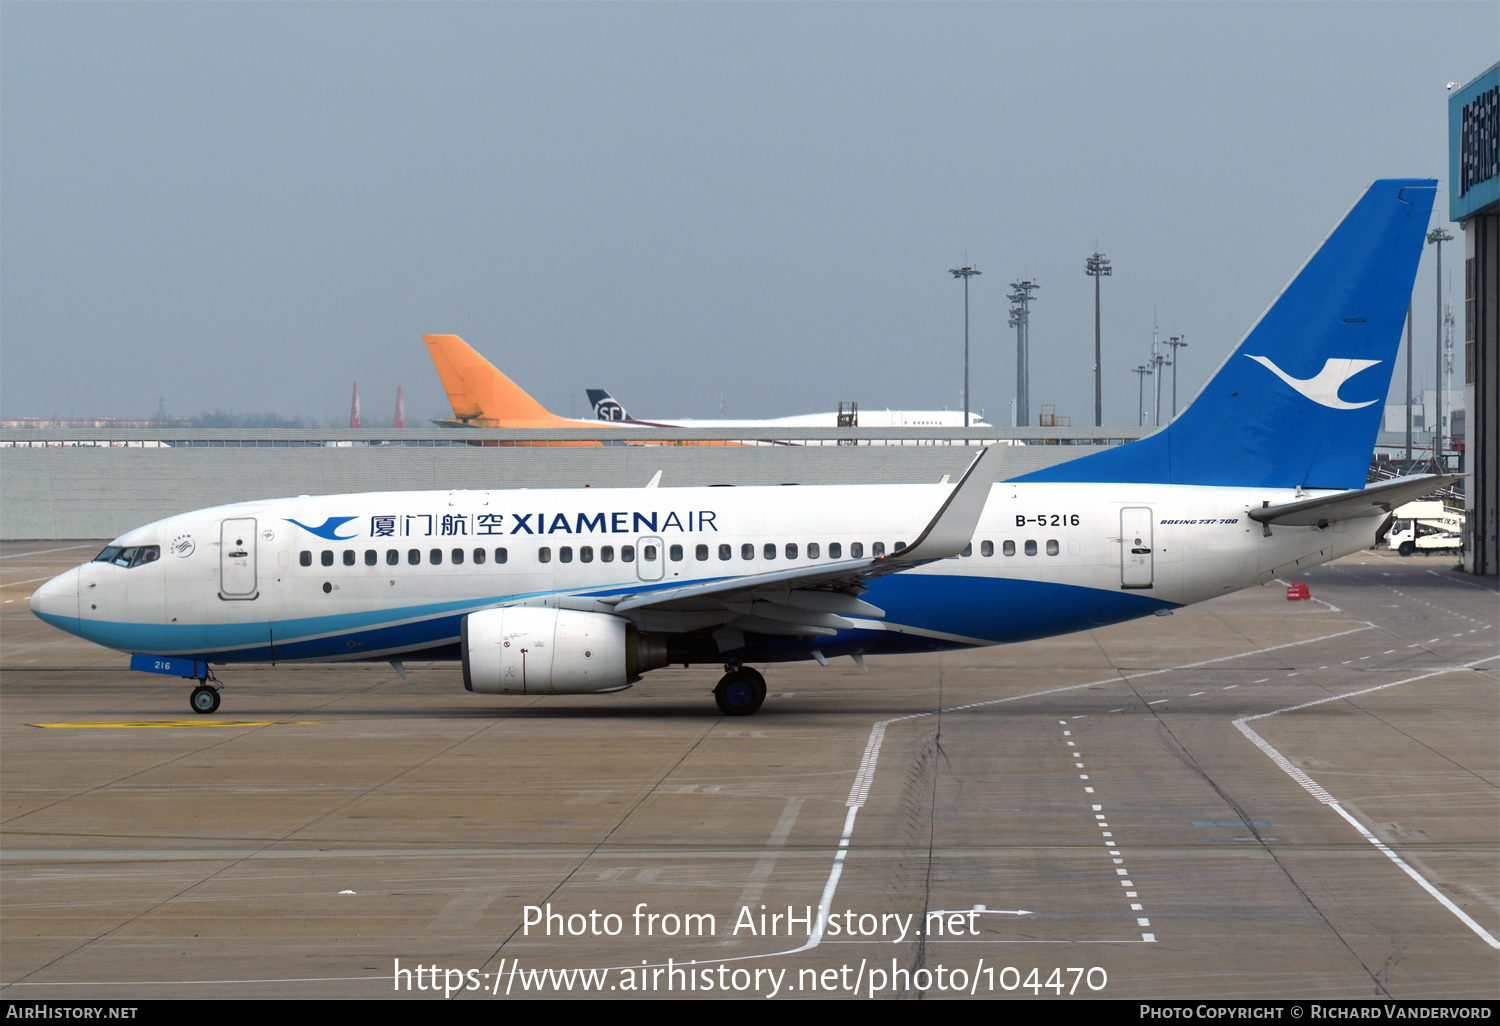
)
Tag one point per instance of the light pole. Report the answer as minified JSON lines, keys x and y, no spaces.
{"x":1140,"y":394}
{"x":1176,"y":343}
{"x":1407,"y":469}
{"x":1096,"y":267}
{"x":1020,"y":319}
{"x":1438,"y":236}
{"x":965,"y":273}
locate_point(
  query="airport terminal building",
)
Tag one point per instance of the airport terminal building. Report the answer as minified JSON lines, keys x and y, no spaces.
{"x":1474,"y":202}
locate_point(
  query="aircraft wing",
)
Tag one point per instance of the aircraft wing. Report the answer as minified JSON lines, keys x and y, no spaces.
{"x":1375,"y":500}
{"x":809,"y":600}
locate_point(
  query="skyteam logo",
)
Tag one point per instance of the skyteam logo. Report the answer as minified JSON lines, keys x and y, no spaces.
{"x":1323,"y":387}
{"x":327,"y":529}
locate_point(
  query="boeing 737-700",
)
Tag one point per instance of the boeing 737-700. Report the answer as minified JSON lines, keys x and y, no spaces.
{"x":585,"y":591}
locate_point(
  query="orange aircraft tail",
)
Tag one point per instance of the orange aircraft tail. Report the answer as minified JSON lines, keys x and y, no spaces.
{"x":480,"y":394}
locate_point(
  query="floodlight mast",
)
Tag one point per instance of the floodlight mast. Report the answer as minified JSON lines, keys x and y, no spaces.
{"x":1176,"y":343}
{"x":1096,"y":267}
{"x":1140,"y":394}
{"x":1020,"y":319}
{"x":965,"y":273}
{"x":1438,"y":236}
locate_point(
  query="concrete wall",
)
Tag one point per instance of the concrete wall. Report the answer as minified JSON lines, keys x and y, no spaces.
{"x":87,"y":492}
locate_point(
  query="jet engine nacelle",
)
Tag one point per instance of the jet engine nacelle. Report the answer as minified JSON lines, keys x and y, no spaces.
{"x":525,"y":650}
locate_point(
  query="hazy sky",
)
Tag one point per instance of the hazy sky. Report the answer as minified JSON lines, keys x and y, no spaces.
{"x":250,"y":206}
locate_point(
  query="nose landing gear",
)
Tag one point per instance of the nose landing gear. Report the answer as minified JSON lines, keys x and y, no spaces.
{"x":205,"y":697}
{"x":740,"y":691}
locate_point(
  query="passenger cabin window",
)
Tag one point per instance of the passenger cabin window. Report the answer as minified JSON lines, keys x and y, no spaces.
{"x":1052,"y":546}
{"x":348,"y":557}
{"x":700,"y":553}
{"x":606,"y":554}
{"x":835,"y":550}
{"x":565,"y":554}
{"x":1010,"y":548}
{"x":392,"y":557}
{"x":968,"y":550}
{"x":371,"y":557}
{"x":648,"y":553}
{"x":501,"y":555}
{"x":586,"y":554}
{"x":544,"y":555}
{"x":987,"y":548}
{"x":457,"y":555}
{"x":747,"y":551}
{"x":414,"y":556}
{"x":676,"y":553}
{"x":435,"y":557}
{"x":791,"y":550}
{"x":1030,"y":547}
{"x":306,"y":558}
{"x":328,"y":557}
{"x":856,"y":550}
{"x":812,"y":550}
{"x":726,"y":552}
{"x":900,"y":546}
{"x":877,"y":549}
{"x":769,"y":550}
{"x":627,"y":553}
{"x":479,"y":555}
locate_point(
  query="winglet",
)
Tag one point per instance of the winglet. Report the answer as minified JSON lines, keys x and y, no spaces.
{"x":951,"y":530}
{"x":479,"y":393}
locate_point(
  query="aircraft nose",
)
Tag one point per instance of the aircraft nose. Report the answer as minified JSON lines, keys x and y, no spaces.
{"x":57,"y":601}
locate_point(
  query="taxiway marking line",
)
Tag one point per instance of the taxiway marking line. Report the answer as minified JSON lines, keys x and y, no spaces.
{"x":1317,"y":791}
{"x":147,"y":724}
{"x":865,"y":776}
{"x":39,"y":552}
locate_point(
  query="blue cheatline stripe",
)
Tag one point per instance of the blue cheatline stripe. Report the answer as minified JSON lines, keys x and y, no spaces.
{"x":964,"y":610}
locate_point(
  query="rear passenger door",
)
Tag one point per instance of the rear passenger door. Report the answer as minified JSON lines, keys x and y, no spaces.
{"x":1137,"y":564}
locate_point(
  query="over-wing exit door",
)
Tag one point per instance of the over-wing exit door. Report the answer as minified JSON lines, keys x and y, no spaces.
{"x":1136,"y":565}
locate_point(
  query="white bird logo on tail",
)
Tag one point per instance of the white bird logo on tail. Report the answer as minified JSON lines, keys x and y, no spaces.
{"x":1323,"y":387}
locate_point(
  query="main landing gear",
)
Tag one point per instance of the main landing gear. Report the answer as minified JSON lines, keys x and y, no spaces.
{"x":740,"y":691}
{"x":205,"y":698}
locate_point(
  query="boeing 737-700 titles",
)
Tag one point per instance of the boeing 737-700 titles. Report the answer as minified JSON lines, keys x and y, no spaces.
{"x":585,"y":591}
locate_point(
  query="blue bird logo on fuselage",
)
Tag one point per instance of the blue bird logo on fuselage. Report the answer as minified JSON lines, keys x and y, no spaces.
{"x":327,"y":529}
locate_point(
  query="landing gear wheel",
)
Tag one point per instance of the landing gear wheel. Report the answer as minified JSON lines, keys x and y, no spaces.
{"x":205,"y":700}
{"x":740,"y":692}
{"x":1407,"y":548}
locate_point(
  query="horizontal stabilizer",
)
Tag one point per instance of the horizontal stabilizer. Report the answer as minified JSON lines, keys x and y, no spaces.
{"x":1376,"y":500}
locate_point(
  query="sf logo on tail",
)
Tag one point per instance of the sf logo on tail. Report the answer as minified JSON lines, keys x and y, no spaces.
{"x":1323,"y":387}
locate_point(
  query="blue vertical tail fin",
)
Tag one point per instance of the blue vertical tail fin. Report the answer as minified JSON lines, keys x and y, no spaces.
{"x":1299,"y":400}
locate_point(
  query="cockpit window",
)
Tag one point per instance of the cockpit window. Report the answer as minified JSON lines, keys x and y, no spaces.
{"x":135,"y":555}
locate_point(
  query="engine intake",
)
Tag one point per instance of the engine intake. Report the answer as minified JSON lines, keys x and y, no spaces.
{"x":525,"y":650}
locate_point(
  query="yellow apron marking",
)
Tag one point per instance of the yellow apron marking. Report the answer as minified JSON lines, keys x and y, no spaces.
{"x":134,"y":724}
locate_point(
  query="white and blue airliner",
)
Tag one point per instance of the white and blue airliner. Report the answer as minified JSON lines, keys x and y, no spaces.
{"x":538,"y":592}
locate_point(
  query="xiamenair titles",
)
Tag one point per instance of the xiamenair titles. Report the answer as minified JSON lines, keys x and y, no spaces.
{"x":403,"y":524}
